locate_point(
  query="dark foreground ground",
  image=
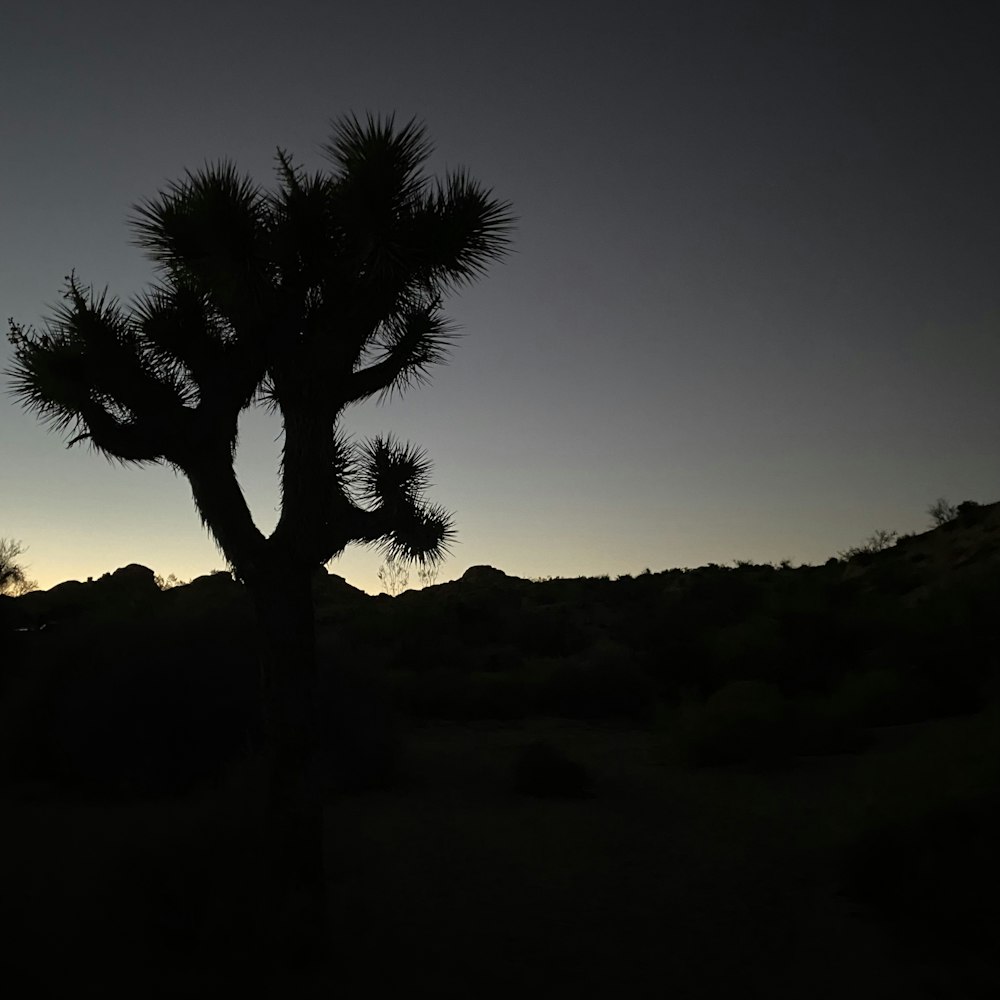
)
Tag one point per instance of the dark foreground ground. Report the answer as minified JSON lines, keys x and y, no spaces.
{"x":668,"y":882}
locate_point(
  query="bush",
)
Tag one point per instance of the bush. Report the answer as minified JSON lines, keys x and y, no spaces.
{"x":941,"y":512}
{"x":116,"y":720}
{"x":949,"y":657}
{"x":440,"y":693}
{"x":549,"y":630}
{"x":545,"y":771}
{"x":936,"y":875}
{"x":13,"y":580}
{"x":605,"y":683}
{"x":459,"y":696}
{"x":880,"y":697}
{"x":425,"y":650}
{"x":743,"y":722}
{"x":498,"y":696}
{"x":752,"y":647}
{"x":878,"y":541}
{"x":498,"y":659}
{"x":970,"y":512}
{"x":821,"y":728}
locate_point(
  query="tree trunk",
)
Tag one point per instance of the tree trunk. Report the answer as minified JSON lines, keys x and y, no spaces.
{"x":294,"y":875}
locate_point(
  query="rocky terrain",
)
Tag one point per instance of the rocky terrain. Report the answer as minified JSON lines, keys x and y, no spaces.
{"x":782,"y":778}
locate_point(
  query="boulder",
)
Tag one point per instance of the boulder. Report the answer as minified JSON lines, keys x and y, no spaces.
{"x":483,"y":574}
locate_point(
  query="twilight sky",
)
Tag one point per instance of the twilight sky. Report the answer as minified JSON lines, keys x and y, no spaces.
{"x":752,"y":311}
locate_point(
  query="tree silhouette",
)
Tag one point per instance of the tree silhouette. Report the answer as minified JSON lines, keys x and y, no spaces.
{"x":428,"y":574}
{"x":13,"y":579}
{"x":941,"y":512}
{"x":307,"y":299}
{"x":393,"y":576}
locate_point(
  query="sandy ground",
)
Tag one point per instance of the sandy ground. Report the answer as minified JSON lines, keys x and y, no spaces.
{"x":668,"y":882}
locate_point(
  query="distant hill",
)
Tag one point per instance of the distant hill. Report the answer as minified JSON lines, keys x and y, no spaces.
{"x":914,"y":564}
{"x":133,"y":590}
{"x":949,"y":554}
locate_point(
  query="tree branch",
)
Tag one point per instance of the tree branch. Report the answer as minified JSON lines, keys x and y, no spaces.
{"x":223,"y":509}
{"x":417,"y":533}
{"x":410,"y":344}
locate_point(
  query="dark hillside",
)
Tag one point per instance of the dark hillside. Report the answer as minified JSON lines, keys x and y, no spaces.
{"x":117,"y":675}
{"x":803,"y":757}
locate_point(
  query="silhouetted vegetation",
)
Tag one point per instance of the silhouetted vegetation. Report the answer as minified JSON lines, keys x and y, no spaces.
{"x":123,"y":692}
{"x":393,"y":576}
{"x":319,"y":295}
{"x":13,"y":579}
{"x":762,"y":660}
{"x":935,"y":875}
{"x":941,"y":512}
{"x":541,"y":769}
{"x":878,"y":541}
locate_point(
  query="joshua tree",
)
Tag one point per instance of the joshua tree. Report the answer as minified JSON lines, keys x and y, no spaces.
{"x":322,"y":293}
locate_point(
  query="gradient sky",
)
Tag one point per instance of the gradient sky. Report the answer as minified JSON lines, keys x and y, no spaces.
{"x":752,"y":311}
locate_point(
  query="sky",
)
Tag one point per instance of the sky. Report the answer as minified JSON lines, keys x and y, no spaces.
{"x":751,"y":312}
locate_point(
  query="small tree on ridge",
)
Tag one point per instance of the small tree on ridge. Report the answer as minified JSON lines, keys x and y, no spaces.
{"x":941,"y":512}
{"x":13,"y":579}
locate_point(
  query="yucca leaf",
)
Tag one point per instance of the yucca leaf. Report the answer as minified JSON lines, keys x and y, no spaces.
{"x":391,"y":474}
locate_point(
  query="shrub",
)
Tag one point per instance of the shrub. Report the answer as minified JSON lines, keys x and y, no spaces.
{"x":897,"y":578}
{"x":821,"y":727}
{"x":125,"y":722}
{"x":459,"y":696}
{"x":878,"y":541}
{"x":426,"y":649}
{"x":970,"y":512}
{"x":498,"y":659}
{"x":879,"y":697}
{"x":549,"y":630}
{"x":948,"y":660}
{"x":753,"y":647}
{"x":937,"y":874}
{"x":941,"y":512}
{"x":439,"y":693}
{"x":605,"y":683}
{"x":13,"y":580}
{"x":543,"y":770}
{"x":498,"y":696}
{"x":743,"y":722}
